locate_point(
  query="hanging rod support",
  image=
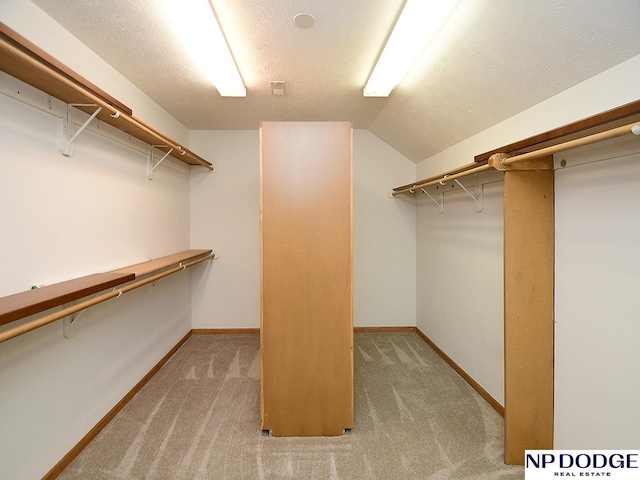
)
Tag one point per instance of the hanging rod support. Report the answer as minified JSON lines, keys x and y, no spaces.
{"x":150,"y":166}
{"x":65,"y":138}
{"x":69,"y":323}
{"x":465,"y":189}
{"x":440,"y":204}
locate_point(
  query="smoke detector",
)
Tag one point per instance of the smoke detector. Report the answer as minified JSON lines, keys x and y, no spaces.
{"x":304,"y":20}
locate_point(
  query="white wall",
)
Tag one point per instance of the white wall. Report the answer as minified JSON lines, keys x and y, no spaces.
{"x":460,"y":278}
{"x":384,"y":236}
{"x":225,"y":213}
{"x":67,"y":217}
{"x":596,"y":310}
{"x":451,"y":328}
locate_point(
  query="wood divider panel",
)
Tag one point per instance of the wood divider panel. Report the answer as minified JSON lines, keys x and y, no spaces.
{"x":306,"y":278}
{"x":528,"y":310}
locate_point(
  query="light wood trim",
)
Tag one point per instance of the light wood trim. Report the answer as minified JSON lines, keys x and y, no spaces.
{"x":225,"y":331}
{"x":93,"y":433}
{"x":383,"y":329}
{"x":624,"y":113}
{"x":52,"y":317}
{"x":27,"y":66}
{"x":460,"y":371}
{"x":24,"y":304}
{"x":528,"y":311}
{"x":438,"y":179}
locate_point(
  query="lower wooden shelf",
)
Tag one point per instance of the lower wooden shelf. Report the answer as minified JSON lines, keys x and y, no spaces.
{"x":24,"y":304}
{"x":31,"y":302}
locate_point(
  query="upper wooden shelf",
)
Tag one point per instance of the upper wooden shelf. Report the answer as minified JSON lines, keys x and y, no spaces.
{"x":21,"y":305}
{"x":600,"y":122}
{"x":26,"y":62}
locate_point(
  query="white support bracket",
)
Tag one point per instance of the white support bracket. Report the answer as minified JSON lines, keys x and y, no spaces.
{"x":150,"y":166}
{"x":478,"y":198}
{"x":477,"y":195}
{"x":69,"y":325}
{"x":439,"y":204}
{"x":152,"y":287}
{"x":65,"y":127}
{"x":70,"y":322}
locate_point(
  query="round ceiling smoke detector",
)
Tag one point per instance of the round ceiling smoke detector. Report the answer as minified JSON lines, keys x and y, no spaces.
{"x":304,"y":20}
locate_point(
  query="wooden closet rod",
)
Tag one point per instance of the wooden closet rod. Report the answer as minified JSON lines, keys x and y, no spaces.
{"x":578,"y":142}
{"x":505,"y":160}
{"x":460,"y":169}
{"x":443,"y":177}
{"x":52,"y":317}
{"x":45,"y":69}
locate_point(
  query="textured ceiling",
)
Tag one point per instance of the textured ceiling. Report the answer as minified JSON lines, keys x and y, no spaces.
{"x":494,"y":59}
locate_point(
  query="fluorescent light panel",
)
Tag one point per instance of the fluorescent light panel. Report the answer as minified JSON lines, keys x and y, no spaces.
{"x":199,"y":31}
{"x":417,"y":26}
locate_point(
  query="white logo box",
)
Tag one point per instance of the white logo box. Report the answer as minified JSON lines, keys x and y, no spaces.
{"x":556,"y":464}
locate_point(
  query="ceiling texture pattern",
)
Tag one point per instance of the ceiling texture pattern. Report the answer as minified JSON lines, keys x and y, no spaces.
{"x":492,"y":60}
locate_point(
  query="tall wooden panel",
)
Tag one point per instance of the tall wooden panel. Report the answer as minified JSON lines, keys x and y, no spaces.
{"x":528,"y":308}
{"x":306,"y":336}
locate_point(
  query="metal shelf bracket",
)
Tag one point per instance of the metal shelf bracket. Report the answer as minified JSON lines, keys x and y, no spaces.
{"x":70,"y":322}
{"x":150,"y":166}
{"x":65,"y":127}
{"x":439,"y":204}
{"x":478,"y":198}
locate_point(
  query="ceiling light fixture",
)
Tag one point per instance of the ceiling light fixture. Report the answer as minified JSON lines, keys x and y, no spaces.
{"x":197,"y":28}
{"x":416,"y":27}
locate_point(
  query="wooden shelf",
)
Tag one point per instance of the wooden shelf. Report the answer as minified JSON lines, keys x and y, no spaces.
{"x":26,"y":62}
{"x":163,"y":263}
{"x":21,"y":305}
{"x":600,"y":122}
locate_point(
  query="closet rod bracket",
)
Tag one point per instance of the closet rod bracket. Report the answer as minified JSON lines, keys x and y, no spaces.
{"x":150,"y":166}
{"x":478,"y":198}
{"x":440,"y":204}
{"x":70,"y":322}
{"x":66,"y":138}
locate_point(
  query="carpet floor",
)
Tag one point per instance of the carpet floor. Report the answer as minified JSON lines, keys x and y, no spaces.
{"x":199,"y":418}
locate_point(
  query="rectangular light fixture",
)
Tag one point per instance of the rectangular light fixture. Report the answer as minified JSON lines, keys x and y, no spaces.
{"x":416,"y":27}
{"x":198,"y":30}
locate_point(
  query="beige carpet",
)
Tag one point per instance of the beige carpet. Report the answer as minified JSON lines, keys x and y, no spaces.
{"x":198,"y":418}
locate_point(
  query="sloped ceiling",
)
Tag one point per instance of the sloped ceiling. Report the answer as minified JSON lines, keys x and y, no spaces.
{"x":493,"y":59}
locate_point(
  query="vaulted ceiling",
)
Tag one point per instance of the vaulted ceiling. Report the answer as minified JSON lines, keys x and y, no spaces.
{"x":492,"y":60}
